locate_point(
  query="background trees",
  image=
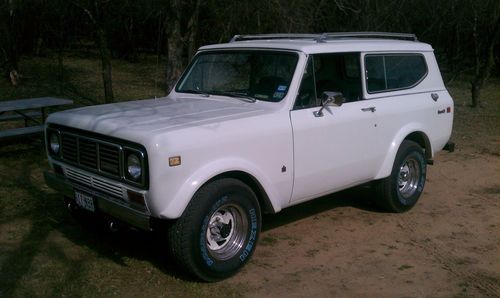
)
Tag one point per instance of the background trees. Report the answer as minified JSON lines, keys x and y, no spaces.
{"x":464,"y":33}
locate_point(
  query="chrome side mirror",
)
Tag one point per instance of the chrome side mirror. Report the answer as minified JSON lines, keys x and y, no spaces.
{"x":329,"y":98}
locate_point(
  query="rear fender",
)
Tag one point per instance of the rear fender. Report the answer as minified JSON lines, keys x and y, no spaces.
{"x":412,"y":131}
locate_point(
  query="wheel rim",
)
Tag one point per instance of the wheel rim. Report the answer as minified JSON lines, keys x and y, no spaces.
{"x":226,"y":232}
{"x":409,"y":177}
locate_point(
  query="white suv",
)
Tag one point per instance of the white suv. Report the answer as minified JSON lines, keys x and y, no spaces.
{"x":255,"y":125}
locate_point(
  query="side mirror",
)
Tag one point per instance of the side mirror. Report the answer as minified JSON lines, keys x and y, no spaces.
{"x":329,"y":98}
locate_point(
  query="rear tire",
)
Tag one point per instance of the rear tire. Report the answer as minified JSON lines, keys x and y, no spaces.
{"x":217,"y":233}
{"x":401,"y":190}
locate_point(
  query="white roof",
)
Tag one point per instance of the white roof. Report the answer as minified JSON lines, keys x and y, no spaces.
{"x":333,"y":45}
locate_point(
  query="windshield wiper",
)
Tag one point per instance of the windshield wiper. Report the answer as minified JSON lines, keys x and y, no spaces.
{"x":244,"y":97}
{"x":196,"y":92}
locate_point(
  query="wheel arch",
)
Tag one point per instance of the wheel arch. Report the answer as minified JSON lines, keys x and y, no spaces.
{"x":421,"y":138}
{"x":264,"y":201}
{"x":246,"y":172}
{"x":416,"y":135}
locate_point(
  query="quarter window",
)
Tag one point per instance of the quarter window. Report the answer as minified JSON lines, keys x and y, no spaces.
{"x":394,"y":72}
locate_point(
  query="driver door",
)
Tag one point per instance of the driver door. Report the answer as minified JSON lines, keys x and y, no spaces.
{"x":333,"y":151}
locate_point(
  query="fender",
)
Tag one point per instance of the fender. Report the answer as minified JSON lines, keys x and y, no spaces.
{"x":400,"y":136}
{"x":186,"y":192}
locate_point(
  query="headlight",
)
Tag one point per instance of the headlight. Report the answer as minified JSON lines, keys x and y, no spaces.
{"x":134,"y":167}
{"x":54,"y":143}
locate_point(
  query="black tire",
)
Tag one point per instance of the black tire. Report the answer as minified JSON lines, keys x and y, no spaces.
{"x":401,"y":190}
{"x":217,"y":233}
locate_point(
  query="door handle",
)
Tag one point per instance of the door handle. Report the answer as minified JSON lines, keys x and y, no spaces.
{"x":370,"y":109}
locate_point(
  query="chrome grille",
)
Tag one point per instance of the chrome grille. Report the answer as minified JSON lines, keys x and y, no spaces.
{"x":90,"y":153}
{"x":95,"y":182}
{"x":99,"y":154}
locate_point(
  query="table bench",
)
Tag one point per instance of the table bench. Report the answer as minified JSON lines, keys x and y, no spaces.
{"x":33,"y":111}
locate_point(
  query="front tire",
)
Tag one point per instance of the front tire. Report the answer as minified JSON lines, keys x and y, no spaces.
{"x":401,"y":190}
{"x":217,"y":233}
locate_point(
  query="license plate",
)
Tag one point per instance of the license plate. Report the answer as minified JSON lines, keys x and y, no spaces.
{"x":84,"y":201}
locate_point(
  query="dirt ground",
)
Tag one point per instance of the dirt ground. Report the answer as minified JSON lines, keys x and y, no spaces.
{"x":341,"y":245}
{"x":448,"y":245}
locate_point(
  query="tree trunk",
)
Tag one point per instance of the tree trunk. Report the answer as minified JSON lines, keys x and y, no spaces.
{"x":60,"y":48}
{"x":192,"y":30}
{"x":8,"y":43}
{"x":105,"y":65}
{"x":175,"y":46}
{"x":102,"y":43}
{"x":483,"y":72}
{"x":174,"y":59}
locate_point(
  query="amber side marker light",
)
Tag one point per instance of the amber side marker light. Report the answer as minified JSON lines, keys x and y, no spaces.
{"x":174,"y":161}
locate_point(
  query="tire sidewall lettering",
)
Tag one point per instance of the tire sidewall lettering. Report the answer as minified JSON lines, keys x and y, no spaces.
{"x":252,"y":237}
{"x":241,"y":257}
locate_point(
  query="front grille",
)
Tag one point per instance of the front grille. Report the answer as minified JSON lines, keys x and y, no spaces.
{"x":91,"y":153}
{"x":69,"y":147}
{"x":95,"y":182}
{"x":98,"y":154}
{"x":109,"y":160}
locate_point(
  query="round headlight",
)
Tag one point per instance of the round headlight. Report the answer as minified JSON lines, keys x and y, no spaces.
{"x":134,"y":166}
{"x":54,"y":143}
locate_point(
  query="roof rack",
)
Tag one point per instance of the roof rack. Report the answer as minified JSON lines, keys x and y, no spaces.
{"x":323,"y":37}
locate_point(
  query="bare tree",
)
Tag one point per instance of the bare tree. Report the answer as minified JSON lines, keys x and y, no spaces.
{"x":485,"y":60}
{"x":8,"y":40}
{"x":180,"y":41}
{"x":96,"y":17}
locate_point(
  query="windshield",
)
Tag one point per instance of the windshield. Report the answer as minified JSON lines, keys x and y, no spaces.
{"x":250,"y":74}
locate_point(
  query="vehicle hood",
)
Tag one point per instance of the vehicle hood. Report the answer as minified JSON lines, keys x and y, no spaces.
{"x":138,"y":119}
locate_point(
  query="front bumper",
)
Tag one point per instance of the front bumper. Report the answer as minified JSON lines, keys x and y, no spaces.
{"x":104,"y":204}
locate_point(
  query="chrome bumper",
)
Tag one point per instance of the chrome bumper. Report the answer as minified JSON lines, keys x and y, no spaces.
{"x":105,"y":204}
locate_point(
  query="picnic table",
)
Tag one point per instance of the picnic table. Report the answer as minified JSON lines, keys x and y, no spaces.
{"x":32,"y":110}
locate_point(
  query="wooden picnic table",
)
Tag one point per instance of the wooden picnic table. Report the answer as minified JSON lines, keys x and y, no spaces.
{"x":32,"y":110}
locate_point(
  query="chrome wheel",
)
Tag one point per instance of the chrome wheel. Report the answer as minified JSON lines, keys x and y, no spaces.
{"x":409,"y":177}
{"x":226,"y":232}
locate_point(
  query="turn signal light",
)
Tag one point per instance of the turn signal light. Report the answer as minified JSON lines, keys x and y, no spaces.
{"x":174,"y":161}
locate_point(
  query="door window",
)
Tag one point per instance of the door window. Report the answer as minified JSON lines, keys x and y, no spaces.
{"x":339,"y":72}
{"x":307,"y":97}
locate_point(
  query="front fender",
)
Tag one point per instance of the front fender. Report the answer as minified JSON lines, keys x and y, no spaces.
{"x":181,"y":198}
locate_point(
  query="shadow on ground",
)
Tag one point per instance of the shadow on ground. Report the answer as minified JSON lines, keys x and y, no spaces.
{"x":46,"y":211}
{"x":360,"y":197}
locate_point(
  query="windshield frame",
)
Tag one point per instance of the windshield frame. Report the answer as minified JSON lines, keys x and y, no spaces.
{"x":240,"y":50}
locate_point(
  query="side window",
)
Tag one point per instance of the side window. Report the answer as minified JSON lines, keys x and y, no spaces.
{"x":375,"y":73}
{"x":351,"y":65}
{"x":394,"y":72}
{"x":339,"y":72}
{"x":404,"y":71}
{"x":307,"y":93}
